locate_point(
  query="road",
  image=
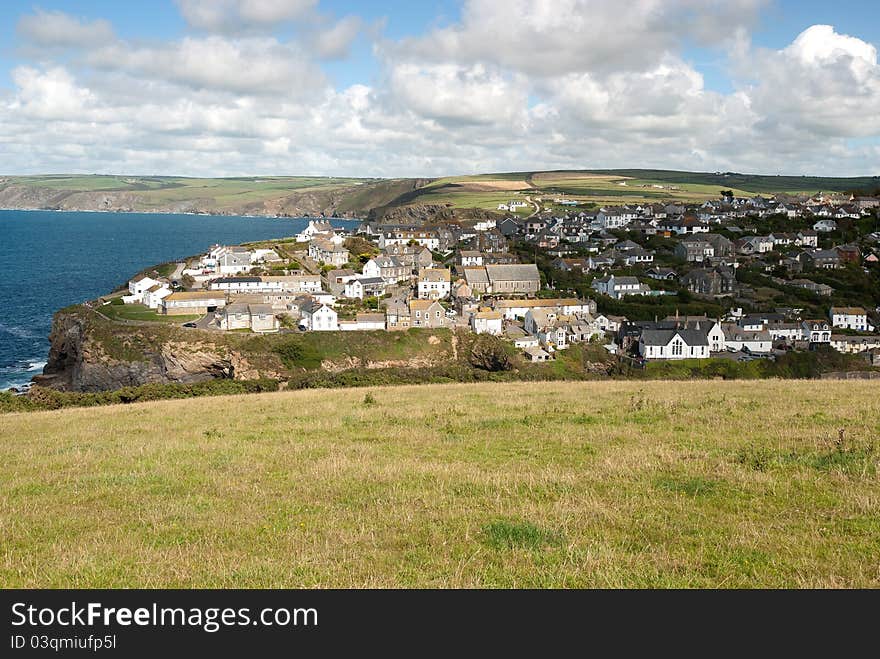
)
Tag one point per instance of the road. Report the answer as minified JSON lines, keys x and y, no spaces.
{"x":178,"y":272}
{"x":536,"y":205}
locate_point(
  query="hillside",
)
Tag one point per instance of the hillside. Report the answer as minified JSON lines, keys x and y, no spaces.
{"x":609,"y":484}
{"x":408,"y":199}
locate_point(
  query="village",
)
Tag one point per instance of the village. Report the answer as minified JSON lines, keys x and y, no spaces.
{"x":734,"y":278}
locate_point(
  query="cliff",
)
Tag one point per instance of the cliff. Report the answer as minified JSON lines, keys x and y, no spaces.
{"x":89,"y":353}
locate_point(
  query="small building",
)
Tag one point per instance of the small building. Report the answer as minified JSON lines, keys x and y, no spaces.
{"x":434,"y":284}
{"x":361,"y":287}
{"x":318,"y":317}
{"x":195,"y":302}
{"x":154,"y":295}
{"x":536,"y":354}
{"x":364,"y":322}
{"x":486,"y":321}
{"x":426,"y":313}
{"x":328,"y":252}
{"x":674,"y":344}
{"x":255,"y":317}
{"x":470,"y":258}
{"x":817,"y":331}
{"x":853,"y":318}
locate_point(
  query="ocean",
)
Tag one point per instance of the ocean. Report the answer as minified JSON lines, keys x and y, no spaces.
{"x":49,"y":260}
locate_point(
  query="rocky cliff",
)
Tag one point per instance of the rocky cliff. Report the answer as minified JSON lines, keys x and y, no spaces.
{"x":88,"y":354}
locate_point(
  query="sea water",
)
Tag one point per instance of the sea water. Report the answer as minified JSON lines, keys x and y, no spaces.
{"x":49,"y":260}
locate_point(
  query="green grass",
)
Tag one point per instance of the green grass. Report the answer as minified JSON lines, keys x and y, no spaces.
{"x":141,"y":313}
{"x":603,"y":484}
{"x":482,"y":191}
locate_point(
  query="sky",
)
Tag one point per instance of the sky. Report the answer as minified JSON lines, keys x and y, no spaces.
{"x":438,"y":87}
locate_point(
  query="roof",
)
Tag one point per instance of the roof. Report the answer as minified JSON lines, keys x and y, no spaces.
{"x":370,"y":317}
{"x":553,"y":302}
{"x":237,"y":280}
{"x":236,"y":308}
{"x":488,"y":315}
{"x":371,"y":281}
{"x":195,"y":295}
{"x":849,"y":311}
{"x":515,"y":272}
{"x":476,"y":275}
{"x":260,"y":309}
{"x":421,"y":305}
{"x":435,"y":274}
{"x":661,"y":337}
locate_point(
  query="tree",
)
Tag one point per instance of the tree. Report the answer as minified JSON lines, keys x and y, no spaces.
{"x":489,"y":353}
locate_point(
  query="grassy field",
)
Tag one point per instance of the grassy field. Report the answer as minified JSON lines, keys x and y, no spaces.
{"x":609,"y":484}
{"x":483,"y":192}
{"x":139,"y":312}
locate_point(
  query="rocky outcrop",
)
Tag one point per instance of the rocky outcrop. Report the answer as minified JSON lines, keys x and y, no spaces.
{"x":80,"y":361}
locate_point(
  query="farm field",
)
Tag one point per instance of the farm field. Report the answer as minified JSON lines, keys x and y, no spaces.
{"x":356,"y":196}
{"x":600,"y":484}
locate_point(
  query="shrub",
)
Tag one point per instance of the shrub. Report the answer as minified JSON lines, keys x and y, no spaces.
{"x":490,"y":353}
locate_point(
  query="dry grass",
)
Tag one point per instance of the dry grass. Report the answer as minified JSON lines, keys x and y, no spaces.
{"x":498,"y":185}
{"x":612,"y":484}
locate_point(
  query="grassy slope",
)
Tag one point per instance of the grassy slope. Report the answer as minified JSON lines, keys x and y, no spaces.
{"x":598,"y":484}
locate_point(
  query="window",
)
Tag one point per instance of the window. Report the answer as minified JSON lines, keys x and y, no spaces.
{"x":677,"y":348}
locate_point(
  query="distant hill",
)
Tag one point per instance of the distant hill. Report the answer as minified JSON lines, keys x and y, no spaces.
{"x":404,"y":198}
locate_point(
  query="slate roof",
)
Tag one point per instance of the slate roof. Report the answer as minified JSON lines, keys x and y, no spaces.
{"x":514,"y":272}
{"x":661,"y":337}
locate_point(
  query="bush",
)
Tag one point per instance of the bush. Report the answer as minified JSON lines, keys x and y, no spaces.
{"x":490,"y":353}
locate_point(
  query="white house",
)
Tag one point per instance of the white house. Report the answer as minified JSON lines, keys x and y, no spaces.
{"x":434,"y":283}
{"x":486,"y":322}
{"x":425,"y":238}
{"x":817,"y":331}
{"x":234,"y":260}
{"x":137,"y":287}
{"x":807,"y":238}
{"x":361,"y":287}
{"x":316,"y":227}
{"x":153,"y":296}
{"x":470,"y":258}
{"x":617,"y":287}
{"x":854,"y":344}
{"x":854,"y":318}
{"x":825,"y":226}
{"x":318,"y":317}
{"x":737,"y":339}
{"x":674,"y":344}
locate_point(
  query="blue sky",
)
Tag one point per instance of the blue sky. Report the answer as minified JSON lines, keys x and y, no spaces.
{"x":421,"y":87}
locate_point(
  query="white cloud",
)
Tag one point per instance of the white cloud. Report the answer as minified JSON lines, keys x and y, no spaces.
{"x":553,"y":37}
{"x":569,"y":83}
{"x":55,"y":29}
{"x":244,"y":66}
{"x":334,"y":41}
{"x":458,"y":95}
{"x":242,"y":15}
{"x":823,"y":85}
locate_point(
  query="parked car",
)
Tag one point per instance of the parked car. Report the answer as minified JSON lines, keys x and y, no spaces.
{"x":190,"y":325}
